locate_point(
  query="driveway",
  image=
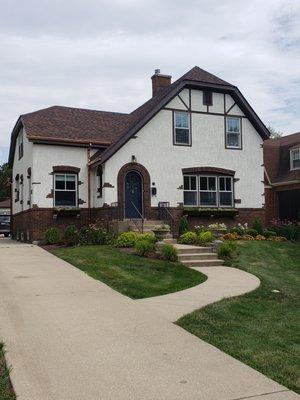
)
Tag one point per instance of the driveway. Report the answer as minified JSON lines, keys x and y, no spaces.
{"x":69,"y":337}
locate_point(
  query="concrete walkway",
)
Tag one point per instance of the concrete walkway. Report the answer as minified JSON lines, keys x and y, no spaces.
{"x":221,"y":282}
{"x":70,"y":337}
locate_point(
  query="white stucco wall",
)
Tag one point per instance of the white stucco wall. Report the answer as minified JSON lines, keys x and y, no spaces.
{"x":20,"y":167}
{"x":47,"y":156}
{"x":154,"y":149}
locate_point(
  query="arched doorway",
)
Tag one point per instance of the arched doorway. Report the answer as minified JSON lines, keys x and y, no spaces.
{"x":133,"y":194}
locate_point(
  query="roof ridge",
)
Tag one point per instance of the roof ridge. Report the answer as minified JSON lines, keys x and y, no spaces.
{"x":74,"y":108}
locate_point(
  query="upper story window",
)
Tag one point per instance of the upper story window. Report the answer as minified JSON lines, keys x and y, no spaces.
{"x":233,"y":139}
{"x":20,"y":145}
{"x":295,"y":158}
{"x":207,"y":98}
{"x":208,"y":191}
{"x":65,"y":190}
{"x":17,"y":188}
{"x":182,"y":131}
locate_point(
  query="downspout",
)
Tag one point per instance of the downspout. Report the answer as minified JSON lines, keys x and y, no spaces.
{"x":89,"y":182}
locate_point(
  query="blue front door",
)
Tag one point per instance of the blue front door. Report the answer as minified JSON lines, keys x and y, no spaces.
{"x":133,"y":195}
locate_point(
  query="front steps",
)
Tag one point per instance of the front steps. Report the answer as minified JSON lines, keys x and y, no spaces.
{"x":196,"y":256}
{"x":148,"y":225}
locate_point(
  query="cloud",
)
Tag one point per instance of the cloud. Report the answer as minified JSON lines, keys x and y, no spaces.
{"x":101,"y":54}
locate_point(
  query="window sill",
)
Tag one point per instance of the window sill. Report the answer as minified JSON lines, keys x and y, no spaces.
{"x":211,"y":212}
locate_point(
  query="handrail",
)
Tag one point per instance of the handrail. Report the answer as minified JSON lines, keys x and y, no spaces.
{"x":142,"y":217}
{"x":168,"y":214}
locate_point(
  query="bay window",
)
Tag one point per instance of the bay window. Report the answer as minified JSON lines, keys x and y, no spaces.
{"x":65,"y":190}
{"x":182,"y":132}
{"x":233,"y":135}
{"x":190,"y":192}
{"x":208,"y":191}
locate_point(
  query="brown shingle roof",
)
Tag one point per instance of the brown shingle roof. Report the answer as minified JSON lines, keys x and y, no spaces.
{"x":5,"y":203}
{"x":75,"y":124}
{"x":277,"y":158}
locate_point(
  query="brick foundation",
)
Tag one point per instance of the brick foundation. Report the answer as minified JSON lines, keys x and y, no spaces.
{"x":30,"y":225}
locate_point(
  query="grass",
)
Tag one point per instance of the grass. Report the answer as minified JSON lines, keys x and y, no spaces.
{"x":260,"y":328}
{"x":134,"y":276}
{"x":6,"y":390}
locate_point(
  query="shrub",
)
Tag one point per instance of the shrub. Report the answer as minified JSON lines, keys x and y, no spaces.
{"x":248,"y":237}
{"x":268,"y":233}
{"x":93,"y":235}
{"x":257,"y":225}
{"x":150,"y":237}
{"x":239,"y":231}
{"x":168,"y":252}
{"x":188,"y":238}
{"x":126,"y":239}
{"x":260,"y":237}
{"x":71,"y":235}
{"x":226,"y":249}
{"x":52,"y":236}
{"x":144,"y":247}
{"x":231,"y":236}
{"x":205,"y":237}
{"x":252,"y":232}
{"x":183,"y":225}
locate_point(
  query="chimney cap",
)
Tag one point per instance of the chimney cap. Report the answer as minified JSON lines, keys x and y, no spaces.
{"x":157,"y":71}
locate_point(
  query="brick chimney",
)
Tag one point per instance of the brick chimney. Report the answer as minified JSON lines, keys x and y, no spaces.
{"x":159,"y":81}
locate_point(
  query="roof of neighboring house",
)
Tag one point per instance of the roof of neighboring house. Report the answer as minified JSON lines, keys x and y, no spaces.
{"x":111,"y":130}
{"x":5,"y":203}
{"x":277,"y":158}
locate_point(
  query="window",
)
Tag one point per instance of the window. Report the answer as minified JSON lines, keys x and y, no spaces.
{"x":225,"y":191}
{"x":17,"y":188}
{"x":65,"y":190}
{"x":208,"y":191}
{"x":100,"y":188}
{"x":233,"y":133}
{"x":295,"y":158}
{"x":207,"y":98}
{"x":20,"y":145}
{"x":190,"y":190}
{"x":182,"y":135}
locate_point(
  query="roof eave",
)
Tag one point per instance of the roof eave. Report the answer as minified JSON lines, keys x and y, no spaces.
{"x":13,"y":138}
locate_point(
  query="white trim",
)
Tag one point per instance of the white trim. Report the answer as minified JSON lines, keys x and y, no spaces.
{"x":192,"y":190}
{"x":185,"y":128}
{"x":239,"y":133}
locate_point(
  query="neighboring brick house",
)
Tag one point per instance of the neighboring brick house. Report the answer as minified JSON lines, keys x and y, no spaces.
{"x":195,"y":147}
{"x":282,"y":176}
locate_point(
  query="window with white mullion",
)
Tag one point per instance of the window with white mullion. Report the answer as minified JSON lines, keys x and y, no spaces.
{"x":295,"y":158}
{"x":233,"y":133}
{"x":225,"y":191}
{"x":182,"y":134}
{"x":207,"y":191}
{"x":190,"y":190}
{"x":65,"y":190}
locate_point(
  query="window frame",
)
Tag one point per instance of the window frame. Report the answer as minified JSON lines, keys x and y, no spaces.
{"x":208,"y":191}
{"x":208,"y":93}
{"x":196,"y":190}
{"x":65,"y":190}
{"x":217,"y":190}
{"x":292,"y":168}
{"x":175,"y":143}
{"x":225,"y":191}
{"x":240,"y":146}
{"x":20,"y":145}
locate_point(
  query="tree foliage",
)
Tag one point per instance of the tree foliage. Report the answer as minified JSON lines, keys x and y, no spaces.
{"x":273,"y":133}
{"x":5,"y":175}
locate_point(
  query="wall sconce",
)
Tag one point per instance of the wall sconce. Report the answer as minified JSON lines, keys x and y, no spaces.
{"x":133,"y":158}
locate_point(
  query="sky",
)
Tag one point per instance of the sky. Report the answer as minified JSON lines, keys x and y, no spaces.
{"x":101,"y":54}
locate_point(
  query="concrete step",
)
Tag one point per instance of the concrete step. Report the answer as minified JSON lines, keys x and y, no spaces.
{"x":170,"y":241}
{"x":204,"y":263}
{"x":196,"y":256}
{"x":193,"y":250}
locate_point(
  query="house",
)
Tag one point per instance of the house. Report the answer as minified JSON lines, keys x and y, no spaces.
{"x":282,"y":176}
{"x":195,"y":148}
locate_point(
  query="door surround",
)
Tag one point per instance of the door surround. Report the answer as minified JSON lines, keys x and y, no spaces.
{"x":146,"y":196}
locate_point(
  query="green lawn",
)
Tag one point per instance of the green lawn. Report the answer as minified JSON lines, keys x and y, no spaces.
{"x":260,"y":328}
{"x":134,"y":276}
{"x":6,"y":390}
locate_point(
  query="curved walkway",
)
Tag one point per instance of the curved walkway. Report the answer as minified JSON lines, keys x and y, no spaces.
{"x":221,"y":282}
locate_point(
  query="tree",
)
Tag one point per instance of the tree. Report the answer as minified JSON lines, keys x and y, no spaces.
{"x":5,"y":175}
{"x":273,"y":133}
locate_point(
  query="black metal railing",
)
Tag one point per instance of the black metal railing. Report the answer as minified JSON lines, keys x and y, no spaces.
{"x":137,"y":220}
{"x":165,"y":213}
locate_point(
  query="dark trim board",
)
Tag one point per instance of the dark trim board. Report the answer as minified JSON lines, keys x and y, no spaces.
{"x":203,"y":112}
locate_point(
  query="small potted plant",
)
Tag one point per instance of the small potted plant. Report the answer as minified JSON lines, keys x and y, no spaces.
{"x":217,"y":229}
{"x":161,"y":231}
